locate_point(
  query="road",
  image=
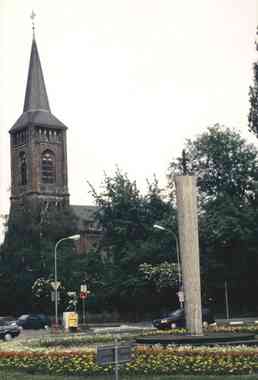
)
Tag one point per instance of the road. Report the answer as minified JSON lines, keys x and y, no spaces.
{"x":126,"y":327}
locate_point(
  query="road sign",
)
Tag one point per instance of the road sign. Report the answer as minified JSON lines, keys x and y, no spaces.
{"x":71,"y":294}
{"x":83,"y":288}
{"x":83,"y":295}
{"x":55,"y":284}
{"x":107,"y":354}
{"x":114,"y":355}
{"x":181,"y":296}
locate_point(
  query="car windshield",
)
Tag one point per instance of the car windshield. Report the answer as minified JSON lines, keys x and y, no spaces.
{"x":176,"y":313}
{"x":22,"y":317}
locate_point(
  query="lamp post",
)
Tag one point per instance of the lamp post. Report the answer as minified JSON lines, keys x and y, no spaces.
{"x":73,"y":237}
{"x":158,"y":227}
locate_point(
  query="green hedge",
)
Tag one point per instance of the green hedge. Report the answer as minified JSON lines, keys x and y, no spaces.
{"x":148,"y":361}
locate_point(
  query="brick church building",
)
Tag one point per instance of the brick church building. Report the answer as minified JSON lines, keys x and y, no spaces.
{"x":39,"y":155}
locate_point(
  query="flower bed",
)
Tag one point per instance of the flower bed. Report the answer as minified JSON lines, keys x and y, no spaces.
{"x":72,"y":355}
{"x":186,"y":360}
{"x":148,"y":361}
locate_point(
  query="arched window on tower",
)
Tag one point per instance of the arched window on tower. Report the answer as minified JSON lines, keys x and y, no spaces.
{"x":48,"y":167}
{"x":23,"y":169}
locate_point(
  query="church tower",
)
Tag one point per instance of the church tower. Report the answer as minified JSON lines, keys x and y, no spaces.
{"x":38,"y":146}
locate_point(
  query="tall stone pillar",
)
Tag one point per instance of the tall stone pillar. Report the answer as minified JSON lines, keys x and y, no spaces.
{"x":186,"y":196}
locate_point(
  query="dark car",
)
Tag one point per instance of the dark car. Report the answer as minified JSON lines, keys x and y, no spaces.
{"x":9,"y":330}
{"x":177,"y":319}
{"x":33,"y":321}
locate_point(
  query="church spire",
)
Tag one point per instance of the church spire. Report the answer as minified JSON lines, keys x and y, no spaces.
{"x":36,"y":95}
{"x":38,"y":145}
{"x":36,"y":109}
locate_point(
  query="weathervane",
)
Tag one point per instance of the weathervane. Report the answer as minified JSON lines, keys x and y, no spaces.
{"x":32,"y":16}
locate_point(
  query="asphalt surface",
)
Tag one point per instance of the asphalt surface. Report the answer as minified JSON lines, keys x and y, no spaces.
{"x":101,"y":328}
{"x":29,"y":334}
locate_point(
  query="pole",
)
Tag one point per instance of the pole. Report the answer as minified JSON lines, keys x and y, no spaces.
{"x":73,"y":237}
{"x":179,"y":268}
{"x":177,"y":257}
{"x":226,"y":298}
{"x":116,"y":360}
{"x":83,"y":311}
{"x":56,"y":301}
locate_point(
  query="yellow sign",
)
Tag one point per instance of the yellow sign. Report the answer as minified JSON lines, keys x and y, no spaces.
{"x":72,"y":319}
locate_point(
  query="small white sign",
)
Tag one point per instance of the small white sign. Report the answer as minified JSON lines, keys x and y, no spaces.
{"x":55,"y":284}
{"x":71,"y":294}
{"x":181,"y":296}
{"x":84,"y":288}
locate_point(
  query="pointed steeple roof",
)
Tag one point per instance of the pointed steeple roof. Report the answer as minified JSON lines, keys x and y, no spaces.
{"x":36,"y":108}
{"x":36,"y":95}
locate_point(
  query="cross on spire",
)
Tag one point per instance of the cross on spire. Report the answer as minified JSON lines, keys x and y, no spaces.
{"x":32,"y":16}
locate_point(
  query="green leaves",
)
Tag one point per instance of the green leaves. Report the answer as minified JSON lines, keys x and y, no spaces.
{"x":253,"y":100}
{"x":227,"y":174}
{"x":223,"y":163}
{"x":163,"y":275}
{"x":129,"y":240}
{"x":28,"y":253}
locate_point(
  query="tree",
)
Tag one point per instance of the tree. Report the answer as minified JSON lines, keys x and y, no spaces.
{"x":41,"y":293}
{"x":253,"y":99}
{"x":163,"y":275}
{"x":127,"y":219}
{"x":223,"y":162}
{"x":27,"y":252}
{"x":227,"y":177}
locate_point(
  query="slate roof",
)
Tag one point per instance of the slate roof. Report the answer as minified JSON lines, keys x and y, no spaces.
{"x":36,"y":108}
{"x":39,"y":117}
{"x":36,"y":94}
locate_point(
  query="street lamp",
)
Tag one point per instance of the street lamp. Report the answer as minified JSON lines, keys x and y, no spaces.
{"x":158,"y":227}
{"x":73,"y":237}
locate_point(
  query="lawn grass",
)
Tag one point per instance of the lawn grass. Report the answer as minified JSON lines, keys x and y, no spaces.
{"x":26,"y":376}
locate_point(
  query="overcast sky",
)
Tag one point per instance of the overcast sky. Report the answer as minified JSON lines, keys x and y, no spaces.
{"x":132,"y":79}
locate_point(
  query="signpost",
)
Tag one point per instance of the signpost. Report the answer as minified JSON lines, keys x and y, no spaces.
{"x":83,"y":295}
{"x":181,"y":298}
{"x":53,"y":296}
{"x":114,"y":354}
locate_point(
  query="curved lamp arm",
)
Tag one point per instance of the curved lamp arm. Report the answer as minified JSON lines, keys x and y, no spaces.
{"x":73,"y":237}
{"x":158,"y":227}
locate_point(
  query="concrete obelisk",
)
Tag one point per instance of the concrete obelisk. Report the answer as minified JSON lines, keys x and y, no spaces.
{"x":186,"y":196}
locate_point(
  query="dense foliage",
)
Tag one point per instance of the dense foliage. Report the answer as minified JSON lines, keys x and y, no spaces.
{"x":129,"y":240}
{"x":227,"y":177}
{"x":253,"y":99}
{"x":133,"y":268}
{"x":27,"y":255}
